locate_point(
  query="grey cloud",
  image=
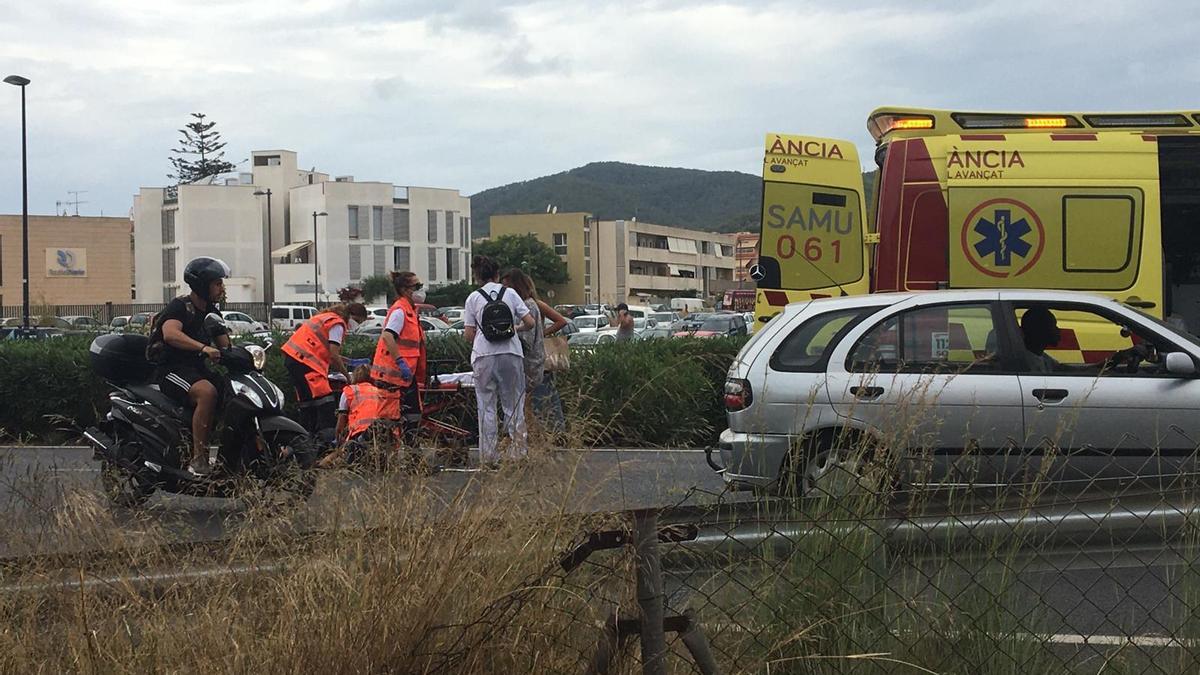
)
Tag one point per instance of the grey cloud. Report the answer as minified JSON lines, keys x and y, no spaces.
{"x":517,"y":59}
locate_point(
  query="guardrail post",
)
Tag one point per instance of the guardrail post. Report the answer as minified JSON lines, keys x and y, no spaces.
{"x":651,"y":599}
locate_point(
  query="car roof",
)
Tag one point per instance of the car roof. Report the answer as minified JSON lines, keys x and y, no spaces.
{"x":952,"y":295}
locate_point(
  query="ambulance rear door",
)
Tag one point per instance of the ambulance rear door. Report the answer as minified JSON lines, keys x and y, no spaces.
{"x":813,"y":242}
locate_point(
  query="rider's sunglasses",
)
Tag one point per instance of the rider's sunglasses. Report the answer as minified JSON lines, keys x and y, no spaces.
{"x":417,"y":286}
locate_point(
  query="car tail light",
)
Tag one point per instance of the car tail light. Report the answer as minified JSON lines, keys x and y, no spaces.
{"x":737,"y":394}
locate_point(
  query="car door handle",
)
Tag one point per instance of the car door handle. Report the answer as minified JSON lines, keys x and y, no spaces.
{"x":866,"y":393}
{"x":1050,"y":395}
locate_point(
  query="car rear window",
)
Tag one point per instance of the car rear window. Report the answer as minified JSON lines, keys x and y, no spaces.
{"x":806,"y":348}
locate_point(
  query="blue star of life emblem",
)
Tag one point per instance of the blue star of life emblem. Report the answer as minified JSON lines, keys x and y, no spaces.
{"x":1002,"y":237}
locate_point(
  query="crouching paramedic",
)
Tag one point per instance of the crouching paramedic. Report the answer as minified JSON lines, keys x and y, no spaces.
{"x":399,"y":361}
{"x":360,"y":408}
{"x":309,"y":355}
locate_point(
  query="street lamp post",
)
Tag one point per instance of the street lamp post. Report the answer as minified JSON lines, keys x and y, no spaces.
{"x":316,"y":266}
{"x":268,"y":261}
{"x":18,"y":81}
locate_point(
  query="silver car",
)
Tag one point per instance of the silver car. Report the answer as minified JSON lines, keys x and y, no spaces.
{"x":973,"y":386}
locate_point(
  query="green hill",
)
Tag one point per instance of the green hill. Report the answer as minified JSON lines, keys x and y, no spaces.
{"x":714,"y":201}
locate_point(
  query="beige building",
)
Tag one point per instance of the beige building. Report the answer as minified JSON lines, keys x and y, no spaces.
{"x":367,"y":228}
{"x":72,"y":260}
{"x":615,"y":261}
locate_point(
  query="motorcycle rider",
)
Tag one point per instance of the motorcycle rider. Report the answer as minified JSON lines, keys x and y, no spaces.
{"x":182,"y":347}
{"x":311,"y":352}
{"x":399,"y":362}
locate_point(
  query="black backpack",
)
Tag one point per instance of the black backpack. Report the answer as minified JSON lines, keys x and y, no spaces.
{"x":496,"y":319}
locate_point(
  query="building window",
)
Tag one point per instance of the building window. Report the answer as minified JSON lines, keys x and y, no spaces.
{"x":451,"y":271}
{"x":355,"y":263}
{"x":380,"y":261}
{"x":402,"y":258}
{"x":377,"y":223}
{"x":560,"y":243}
{"x":400,"y":223}
{"x":449,"y":227}
{"x":705,"y":248}
{"x":467,"y":232}
{"x":352,"y":216}
{"x":432,"y":226}
{"x":168,"y":261}
{"x":168,"y":226}
{"x":727,"y":250}
{"x":432,"y":263}
{"x":466,"y":265}
{"x":1,"y":262}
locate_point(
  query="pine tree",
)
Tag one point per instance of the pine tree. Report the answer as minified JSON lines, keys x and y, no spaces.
{"x":200,"y":153}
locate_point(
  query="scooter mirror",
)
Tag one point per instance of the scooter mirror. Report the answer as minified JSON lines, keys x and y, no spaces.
{"x":214,"y":325}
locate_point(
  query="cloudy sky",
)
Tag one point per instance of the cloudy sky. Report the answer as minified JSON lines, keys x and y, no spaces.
{"x":476,"y":93}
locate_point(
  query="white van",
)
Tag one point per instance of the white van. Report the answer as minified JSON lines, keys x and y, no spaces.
{"x":687,"y":304}
{"x":289,"y":317}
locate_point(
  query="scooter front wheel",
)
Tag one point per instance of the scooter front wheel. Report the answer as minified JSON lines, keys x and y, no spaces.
{"x":292,"y":472}
{"x":122,"y":488}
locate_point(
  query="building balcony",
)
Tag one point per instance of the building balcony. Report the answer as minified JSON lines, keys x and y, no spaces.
{"x":646,"y":282}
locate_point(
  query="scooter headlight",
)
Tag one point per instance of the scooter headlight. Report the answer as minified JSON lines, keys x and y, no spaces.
{"x":258,"y":356}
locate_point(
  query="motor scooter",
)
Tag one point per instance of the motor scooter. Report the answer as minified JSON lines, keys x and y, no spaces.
{"x":144,"y":440}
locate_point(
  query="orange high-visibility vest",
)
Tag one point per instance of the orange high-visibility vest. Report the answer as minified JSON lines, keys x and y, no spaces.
{"x":310,"y":343}
{"x":364,"y":403}
{"x":408,"y":343}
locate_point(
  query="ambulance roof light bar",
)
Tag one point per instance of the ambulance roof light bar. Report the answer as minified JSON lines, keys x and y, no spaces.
{"x":1014,"y":121}
{"x":1138,"y":121}
{"x":884,"y":123}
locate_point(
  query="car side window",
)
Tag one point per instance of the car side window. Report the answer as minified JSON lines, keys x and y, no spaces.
{"x":1071,"y":340}
{"x":279,"y":313}
{"x":935,"y":339}
{"x":805,"y":349}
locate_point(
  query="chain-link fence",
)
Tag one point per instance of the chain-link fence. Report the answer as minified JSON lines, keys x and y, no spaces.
{"x":1030,"y":576}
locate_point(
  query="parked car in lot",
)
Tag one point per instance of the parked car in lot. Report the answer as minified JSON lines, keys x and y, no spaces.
{"x":713,"y":325}
{"x":961,"y":386}
{"x":118,"y":324}
{"x":432,"y":327}
{"x":588,"y":341}
{"x":240,"y":323}
{"x":85,"y":324}
{"x":590,"y":323}
{"x":140,"y":322}
{"x":660,"y":332}
{"x":57,"y":323}
{"x":38,"y":333}
{"x":449,"y":314}
{"x":289,"y":317}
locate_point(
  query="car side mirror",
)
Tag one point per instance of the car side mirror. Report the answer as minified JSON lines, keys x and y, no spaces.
{"x":214,"y":325}
{"x":1179,"y":363}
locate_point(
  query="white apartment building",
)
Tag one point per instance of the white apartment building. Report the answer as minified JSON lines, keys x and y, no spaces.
{"x":361,"y":229}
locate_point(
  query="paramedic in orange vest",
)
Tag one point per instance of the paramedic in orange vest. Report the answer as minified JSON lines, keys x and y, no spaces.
{"x":360,"y":407}
{"x":311,"y":352}
{"x":399,"y":362}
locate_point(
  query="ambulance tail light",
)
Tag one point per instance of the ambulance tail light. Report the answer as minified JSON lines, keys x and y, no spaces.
{"x":1015,"y":121}
{"x":1138,"y":121}
{"x":884,"y":123}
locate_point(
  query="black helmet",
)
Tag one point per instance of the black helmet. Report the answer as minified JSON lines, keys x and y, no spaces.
{"x":199,"y":273}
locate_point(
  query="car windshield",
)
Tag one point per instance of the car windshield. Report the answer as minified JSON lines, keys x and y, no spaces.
{"x":716,"y":323}
{"x":584,"y":339}
{"x":587,"y":321}
{"x":1173,"y":330}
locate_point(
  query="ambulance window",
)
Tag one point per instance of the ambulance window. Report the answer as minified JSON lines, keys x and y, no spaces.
{"x":1098,"y":233}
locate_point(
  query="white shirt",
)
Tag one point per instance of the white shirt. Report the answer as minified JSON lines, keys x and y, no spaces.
{"x":395,"y":322}
{"x":473,"y":310}
{"x":337,"y":333}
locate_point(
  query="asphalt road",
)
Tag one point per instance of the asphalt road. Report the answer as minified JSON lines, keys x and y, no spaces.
{"x":40,"y":487}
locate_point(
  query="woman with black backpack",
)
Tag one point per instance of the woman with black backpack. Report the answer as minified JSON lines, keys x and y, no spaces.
{"x":492,"y":315}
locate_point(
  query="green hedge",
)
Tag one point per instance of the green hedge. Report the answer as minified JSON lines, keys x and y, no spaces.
{"x":653,"y":393}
